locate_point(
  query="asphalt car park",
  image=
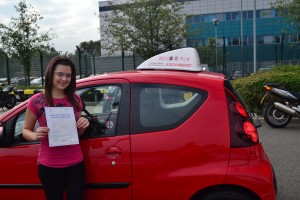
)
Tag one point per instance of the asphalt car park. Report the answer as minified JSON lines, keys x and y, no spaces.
{"x":168,"y":130}
{"x":282,"y":147}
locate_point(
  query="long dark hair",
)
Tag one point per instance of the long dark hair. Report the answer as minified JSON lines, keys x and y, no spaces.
{"x":70,"y":90}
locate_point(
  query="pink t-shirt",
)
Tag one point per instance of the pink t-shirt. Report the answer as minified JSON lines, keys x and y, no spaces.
{"x":61,"y":156}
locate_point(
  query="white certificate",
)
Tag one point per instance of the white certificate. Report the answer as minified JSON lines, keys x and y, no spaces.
{"x":62,"y":124}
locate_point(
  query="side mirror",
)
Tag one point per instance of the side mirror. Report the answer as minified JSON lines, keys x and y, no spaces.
{"x":255,"y":120}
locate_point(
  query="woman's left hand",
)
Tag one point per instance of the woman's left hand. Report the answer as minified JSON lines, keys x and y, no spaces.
{"x":82,"y":123}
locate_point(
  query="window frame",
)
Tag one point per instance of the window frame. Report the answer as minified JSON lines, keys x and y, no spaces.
{"x":137,"y":127}
{"x":121,"y":129}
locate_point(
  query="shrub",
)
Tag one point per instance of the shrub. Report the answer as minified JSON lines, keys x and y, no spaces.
{"x":251,"y":87}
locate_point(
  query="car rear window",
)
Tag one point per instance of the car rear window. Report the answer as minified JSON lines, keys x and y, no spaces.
{"x":235,"y":93}
{"x":157,"y":107}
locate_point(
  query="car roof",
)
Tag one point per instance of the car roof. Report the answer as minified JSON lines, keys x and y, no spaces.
{"x":138,"y":76}
{"x":173,"y":67}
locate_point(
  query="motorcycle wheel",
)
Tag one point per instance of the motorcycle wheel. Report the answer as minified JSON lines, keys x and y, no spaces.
{"x":276,"y":118}
{"x":10,"y":101}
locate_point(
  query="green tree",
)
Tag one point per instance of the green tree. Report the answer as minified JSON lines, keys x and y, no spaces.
{"x":145,"y":27}
{"x":20,"y":38}
{"x":208,"y":52}
{"x":90,"y":46}
{"x":289,"y":9}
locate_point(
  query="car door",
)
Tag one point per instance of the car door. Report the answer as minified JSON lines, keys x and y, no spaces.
{"x":18,"y":166}
{"x":172,"y":152}
{"x":105,"y":145}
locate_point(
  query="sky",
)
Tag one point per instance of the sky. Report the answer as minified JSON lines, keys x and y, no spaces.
{"x":73,"y":21}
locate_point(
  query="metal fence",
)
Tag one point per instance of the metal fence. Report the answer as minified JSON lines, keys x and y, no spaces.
{"x":230,"y":59}
{"x":86,"y":65}
{"x":227,"y":60}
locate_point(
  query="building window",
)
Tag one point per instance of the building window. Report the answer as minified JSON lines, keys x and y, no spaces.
{"x":195,"y":43}
{"x":277,"y":39}
{"x":260,"y":39}
{"x":235,"y":41}
{"x":277,"y":13}
{"x":250,"y":40}
{"x":245,"y":14}
{"x":220,"y":16}
{"x":258,"y":14}
{"x":267,"y":13}
{"x":235,"y":16}
{"x":244,"y":42}
{"x":228,"y":17}
{"x":196,"y":18}
{"x":268,"y":39}
{"x":189,"y":19}
{"x":207,"y":18}
{"x":232,"y":16}
{"x":250,"y":14}
{"x":293,"y":38}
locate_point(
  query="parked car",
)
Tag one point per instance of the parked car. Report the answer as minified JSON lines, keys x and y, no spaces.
{"x":236,"y":74}
{"x":3,"y":81}
{"x":264,"y":69}
{"x":37,"y":81}
{"x":173,"y":131}
{"x":20,"y":80}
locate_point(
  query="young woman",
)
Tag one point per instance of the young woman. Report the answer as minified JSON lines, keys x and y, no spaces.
{"x":60,"y":168}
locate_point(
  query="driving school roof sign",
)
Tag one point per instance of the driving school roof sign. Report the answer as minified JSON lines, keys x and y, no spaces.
{"x":186,"y":59}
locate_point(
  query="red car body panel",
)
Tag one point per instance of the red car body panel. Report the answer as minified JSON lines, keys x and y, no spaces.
{"x":171,"y":164}
{"x":260,"y":166}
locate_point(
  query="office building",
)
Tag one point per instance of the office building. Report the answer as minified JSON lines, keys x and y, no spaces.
{"x":234,"y":26}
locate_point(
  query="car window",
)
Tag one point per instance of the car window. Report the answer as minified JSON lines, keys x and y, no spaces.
{"x":101,"y":105}
{"x":19,"y":127}
{"x":162,"y":107}
{"x":101,"y":108}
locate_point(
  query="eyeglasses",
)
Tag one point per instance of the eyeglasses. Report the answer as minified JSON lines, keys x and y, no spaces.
{"x":61,"y":75}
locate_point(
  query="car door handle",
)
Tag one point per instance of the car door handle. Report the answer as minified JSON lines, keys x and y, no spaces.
{"x":113,"y":152}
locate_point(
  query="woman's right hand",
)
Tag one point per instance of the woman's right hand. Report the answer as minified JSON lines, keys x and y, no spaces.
{"x":41,"y":132}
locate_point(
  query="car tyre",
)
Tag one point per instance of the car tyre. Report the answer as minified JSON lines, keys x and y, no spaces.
{"x":275,"y":117}
{"x":227,"y":195}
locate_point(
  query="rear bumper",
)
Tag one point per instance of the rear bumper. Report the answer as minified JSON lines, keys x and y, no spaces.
{"x":257,"y":175}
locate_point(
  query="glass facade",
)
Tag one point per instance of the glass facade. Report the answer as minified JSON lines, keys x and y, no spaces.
{"x":276,"y":42}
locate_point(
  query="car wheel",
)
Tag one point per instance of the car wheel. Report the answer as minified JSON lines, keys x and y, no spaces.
{"x":227,"y":195}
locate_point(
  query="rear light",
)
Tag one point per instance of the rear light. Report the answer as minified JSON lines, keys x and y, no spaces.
{"x":241,"y":110}
{"x":244,"y":127}
{"x":251,"y":131}
{"x":242,"y":132}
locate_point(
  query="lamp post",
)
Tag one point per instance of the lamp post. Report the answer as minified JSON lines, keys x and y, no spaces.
{"x":216,"y":22}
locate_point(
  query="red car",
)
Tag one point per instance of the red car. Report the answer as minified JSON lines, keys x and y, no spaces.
{"x":167,"y":130}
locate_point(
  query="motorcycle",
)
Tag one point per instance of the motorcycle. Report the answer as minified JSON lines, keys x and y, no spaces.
{"x":8,"y":97}
{"x":279,"y":105}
